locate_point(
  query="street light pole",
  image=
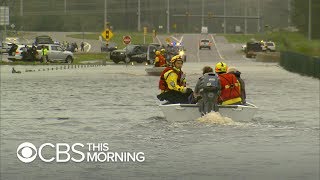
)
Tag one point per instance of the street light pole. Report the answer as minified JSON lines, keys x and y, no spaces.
{"x":289,"y":13}
{"x":245,"y":17}
{"x":65,"y":6}
{"x":168,"y":16}
{"x":309,"y":26}
{"x":258,"y":28}
{"x":21,"y":7}
{"x":202,"y":13}
{"x":224,"y":19}
{"x":105,"y":14}
{"x":139,"y":14}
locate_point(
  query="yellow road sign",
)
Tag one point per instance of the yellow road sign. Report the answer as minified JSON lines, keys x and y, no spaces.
{"x":107,"y":34}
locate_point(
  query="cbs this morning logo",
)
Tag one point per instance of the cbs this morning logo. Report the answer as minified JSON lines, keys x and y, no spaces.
{"x":77,"y":152}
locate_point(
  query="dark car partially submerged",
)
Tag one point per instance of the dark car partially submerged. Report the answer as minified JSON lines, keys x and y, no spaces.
{"x":137,"y":53}
{"x":252,"y":49}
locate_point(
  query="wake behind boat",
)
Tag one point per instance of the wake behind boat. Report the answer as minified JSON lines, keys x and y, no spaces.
{"x":154,"y":71}
{"x":189,"y":112}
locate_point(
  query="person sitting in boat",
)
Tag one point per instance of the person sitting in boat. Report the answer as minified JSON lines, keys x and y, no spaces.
{"x":207,"y":91}
{"x":172,"y":83}
{"x":230,"y":86}
{"x":237,"y":73}
{"x":160,"y":61}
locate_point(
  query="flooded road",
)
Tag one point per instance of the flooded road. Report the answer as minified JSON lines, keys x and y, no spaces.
{"x":117,"y":105}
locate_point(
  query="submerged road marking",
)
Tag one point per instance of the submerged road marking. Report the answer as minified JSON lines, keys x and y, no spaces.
{"x":177,"y":39}
{"x":198,"y":51}
{"x":158,"y":40}
{"x":215,"y":44}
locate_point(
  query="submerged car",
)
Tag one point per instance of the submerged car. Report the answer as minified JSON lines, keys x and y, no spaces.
{"x":252,"y":49}
{"x":137,"y":53}
{"x":270,"y":46}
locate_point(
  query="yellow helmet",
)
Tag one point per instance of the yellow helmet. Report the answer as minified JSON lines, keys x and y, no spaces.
{"x":176,"y":58}
{"x":221,"y":67}
{"x":162,"y":51}
{"x":157,"y":53}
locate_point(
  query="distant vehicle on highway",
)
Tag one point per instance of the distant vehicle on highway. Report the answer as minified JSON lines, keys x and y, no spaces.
{"x":204,"y":30}
{"x":43,"y":40}
{"x":205,"y":43}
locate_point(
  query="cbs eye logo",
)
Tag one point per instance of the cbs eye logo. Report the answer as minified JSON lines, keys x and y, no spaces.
{"x":25,"y":151}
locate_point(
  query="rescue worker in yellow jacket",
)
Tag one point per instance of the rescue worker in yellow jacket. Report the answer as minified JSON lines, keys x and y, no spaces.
{"x":44,"y":54}
{"x":172,"y":83}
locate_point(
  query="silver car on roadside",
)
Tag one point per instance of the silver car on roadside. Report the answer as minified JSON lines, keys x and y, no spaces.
{"x":56,"y":53}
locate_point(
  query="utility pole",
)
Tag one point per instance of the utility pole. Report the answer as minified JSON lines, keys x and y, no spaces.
{"x":105,"y":14}
{"x":139,"y":14}
{"x":21,"y":7}
{"x":289,"y":13}
{"x":309,"y":26}
{"x":245,"y":17}
{"x":65,"y":6}
{"x":168,"y":16}
{"x":202,"y":13}
{"x":224,"y":19}
{"x":261,"y":16}
{"x":258,"y":27}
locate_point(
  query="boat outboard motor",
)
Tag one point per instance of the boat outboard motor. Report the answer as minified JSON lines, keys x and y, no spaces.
{"x":209,"y":90}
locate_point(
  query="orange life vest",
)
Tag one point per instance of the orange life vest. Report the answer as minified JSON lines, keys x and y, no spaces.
{"x":162,"y":82}
{"x":230,"y":89}
{"x":162,"y":61}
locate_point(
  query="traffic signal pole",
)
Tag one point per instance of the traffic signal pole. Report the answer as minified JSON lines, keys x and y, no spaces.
{"x":105,"y":14}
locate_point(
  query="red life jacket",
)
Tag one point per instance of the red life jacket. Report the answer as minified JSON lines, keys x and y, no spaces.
{"x":230,"y":87}
{"x":162,"y":61}
{"x":162,"y":82}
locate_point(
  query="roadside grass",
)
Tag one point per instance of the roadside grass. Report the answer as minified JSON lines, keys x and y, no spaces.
{"x":285,"y":41}
{"x":81,"y":58}
{"x":136,"y":37}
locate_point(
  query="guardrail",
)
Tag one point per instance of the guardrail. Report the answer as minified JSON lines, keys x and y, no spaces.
{"x":299,"y":63}
{"x":72,"y":66}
